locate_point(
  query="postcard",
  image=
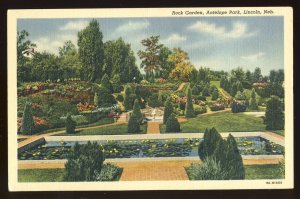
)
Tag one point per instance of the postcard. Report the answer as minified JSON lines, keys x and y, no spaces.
{"x":150,"y":99}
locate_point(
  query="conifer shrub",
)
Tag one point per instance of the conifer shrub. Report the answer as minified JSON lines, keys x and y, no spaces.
{"x":189,"y":108}
{"x":106,"y":83}
{"x":172,"y":124}
{"x":83,"y":162}
{"x":252,"y":103}
{"x":27,"y":121}
{"x":237,"y":107}
{"x":274,"y":117}
{"x":215,"y":94}
{"x":133,"y":124}
{"x":137,"y":111}
{"x":168,"y":110}
{"x":70,"y":125}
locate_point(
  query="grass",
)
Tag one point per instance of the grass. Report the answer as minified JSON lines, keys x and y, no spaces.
{"x":279,"y":132}
{"x":223,"y":122}
{"x":120,"y":129}
{"x":270,"y":171}
{"x":256,"y":172}
{"x":41,"y":175}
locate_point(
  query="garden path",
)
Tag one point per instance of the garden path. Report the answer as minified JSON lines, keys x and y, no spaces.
{"x":181,"y":86}
{"x":153,"y":127}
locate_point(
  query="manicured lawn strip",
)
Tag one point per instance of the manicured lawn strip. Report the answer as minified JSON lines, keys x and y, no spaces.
{"x":47,"y":175}
{"x":256,"y":172}
{"x":107,"y":120}
{"x":109,"y":130}
{"x":279,"y":132}
{"x":41,"y":175}
{"x":223,"y":122}
{"x":270,"y":171}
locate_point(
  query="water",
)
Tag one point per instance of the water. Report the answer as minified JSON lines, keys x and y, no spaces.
{"x":179,"y":147}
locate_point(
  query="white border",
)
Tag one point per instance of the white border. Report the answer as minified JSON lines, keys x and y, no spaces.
{"x":14,"y":185}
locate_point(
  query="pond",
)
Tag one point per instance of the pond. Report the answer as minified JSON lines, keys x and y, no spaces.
{"x":179,"y":147}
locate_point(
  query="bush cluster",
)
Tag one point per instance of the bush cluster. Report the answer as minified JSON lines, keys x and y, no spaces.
{"x":237,"y":107}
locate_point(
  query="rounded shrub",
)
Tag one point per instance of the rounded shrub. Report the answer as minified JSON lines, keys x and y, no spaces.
{"x":274,"y":117}
{"x":133,"y":124}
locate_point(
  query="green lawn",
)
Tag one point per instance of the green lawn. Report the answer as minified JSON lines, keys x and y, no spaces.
{"x":109,"y":130}
{"x":41,"y":175}
{"x":223,"y":122}
{"x":256,"y":172}
{"x":271,"y":171}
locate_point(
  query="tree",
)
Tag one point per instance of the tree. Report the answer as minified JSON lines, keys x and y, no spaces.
{"x":248,"y":76}
{"x":276,"y":76}
{"x":23,"y":70}
{"x":257,"y":76}
{"x":150,"y":57}
{"x":69,"y":61}
{"x":83,"y":162}
{"x":27,"y":121}
{"x":209,"y":143}
{"x":189,"y":109}
{"x":137,"y":111}
{"x":116,"y":83}
{"x":105,"y":83}
{"x":96,"y":99}
{"x":168,"y":110}
{"x":166,"y":66}
{"x":239,"y":86}
{"x":252,"y":103}
{"x":238,"y":74}
{"x":203,"y":75}
{"x":215,"y":94}
{"x":105,"y":98}
{"x":70,"y":125}
{"x":91,"y":51}
{"x":119,"y":60}
{"x":128,"y":99}
{"x":274,"y":118}
{"x":205,"y":91}
{"x":234,"y":89}
{"x":172,"y":124}
{"x":182,"y":65}
{"x":133,"y":124}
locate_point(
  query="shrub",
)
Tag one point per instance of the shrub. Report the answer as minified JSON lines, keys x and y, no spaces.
{"x":274,"y":117}
{"x":209,"y":143}
{"x":144,"y":82}
{"x":189,"y":109}
{"x":225,"y":152}
{"x":129,"y":98}
{"x":217,"y":107}
{"x":137,"y":111}
{"x":116,"y":83}
{"x":70,"y":125}
{"x":133,"y":124}
{"x":153,"y":101}
{"x":27,"y":121}
{"x":105,"y":83}
{"x":120,"y":98}
{"x":168,"y":110}
{"x":215,"y":95}
{"x":199,"y":109}
{"x":83,"y":162}
{"x":240,"y":96}
{"x":209,"y":170}
{"x":252,"y":103}
{"x":205,"y":91}
{"x":105,"y":98}
{"x":237,"y":107}
{"x":195,"y":90}
{"x":109,"y":172}
{"x":201,"y":98}
{"x":172,"y":124}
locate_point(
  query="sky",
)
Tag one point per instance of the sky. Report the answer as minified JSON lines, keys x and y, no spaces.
{"x":220,"y":43}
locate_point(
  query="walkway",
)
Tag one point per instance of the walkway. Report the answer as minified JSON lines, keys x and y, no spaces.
{"x":181,"y":86}
{"x":153,"y":127}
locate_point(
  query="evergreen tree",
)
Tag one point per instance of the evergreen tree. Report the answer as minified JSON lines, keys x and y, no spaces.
{"x":205,"y":91}
{"x":70,"y":125}
{"x":168,"y":110}
{"x":209,"y":143}
{"x":215,"y":95}
{"x":116,"y":83}
{"x":240,"y":86}
{"x":274,"y":118}
{"x":105,"y":83}
{"x":105,"y":98}
{"x":133,"y":124}
{"x":27,"y":121}
{"x":91,"y":51}
{"x":128,"y":99}
{"x":252,"y":103}
{"x":189,"y":108}
{"x":137,"y":111}
{"x":172,"y":124}
{"x":96,"y":99}
{"x":234,"y":89}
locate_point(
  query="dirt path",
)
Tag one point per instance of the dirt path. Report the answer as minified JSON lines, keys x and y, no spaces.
{"x":153,"y":127}
{"x":181,"y":86}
